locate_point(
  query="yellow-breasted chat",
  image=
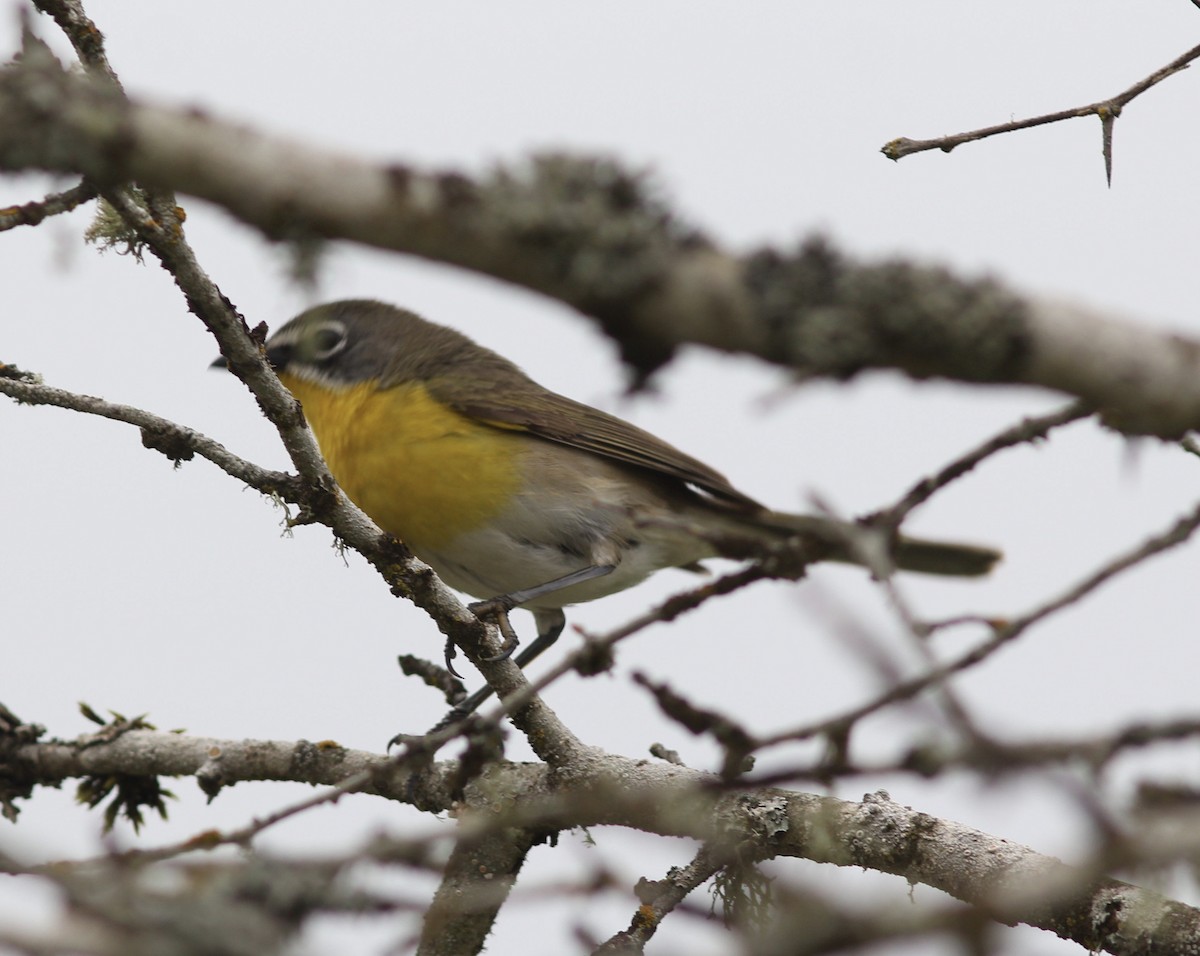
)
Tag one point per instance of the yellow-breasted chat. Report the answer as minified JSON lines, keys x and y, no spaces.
{"x":512,"y":492}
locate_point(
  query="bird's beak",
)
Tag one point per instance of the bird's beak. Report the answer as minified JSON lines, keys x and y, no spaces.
{"x":277,"y":358}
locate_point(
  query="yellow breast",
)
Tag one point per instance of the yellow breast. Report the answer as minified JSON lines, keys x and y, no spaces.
{"x":422,"y":471}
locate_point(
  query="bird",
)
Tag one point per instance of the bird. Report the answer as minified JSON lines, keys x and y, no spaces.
{"x":514,"y":494}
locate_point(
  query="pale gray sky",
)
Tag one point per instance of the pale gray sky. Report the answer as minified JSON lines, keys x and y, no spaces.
{"x":143,"y":589}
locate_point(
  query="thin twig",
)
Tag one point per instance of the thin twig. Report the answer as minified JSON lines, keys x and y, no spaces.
{"x":54,"y":204}
{"x":736,"y":742}
{"x":1004,"y":633}
{"x":1107,"y":110}
{"x":1028,"y":430}
{"x":863,"y":544}
{"x":996,"y":757}
{"x":177,"y":442}
{"x":659,"y":898}
{"x":86,"y":39}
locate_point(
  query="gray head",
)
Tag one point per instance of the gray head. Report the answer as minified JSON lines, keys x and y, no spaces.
{"x":352,"y":341}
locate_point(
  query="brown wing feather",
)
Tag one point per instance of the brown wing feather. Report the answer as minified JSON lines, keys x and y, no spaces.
{"x":525,"y":405}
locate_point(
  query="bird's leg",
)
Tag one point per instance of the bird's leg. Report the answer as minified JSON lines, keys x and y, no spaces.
{"x":497,"y":608}
{"x":550,"y":626}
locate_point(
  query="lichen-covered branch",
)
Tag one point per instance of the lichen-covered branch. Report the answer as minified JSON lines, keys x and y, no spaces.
{"x":595,"y":235}
{"x":1011,"y":883}
{"x":658,"y":898}
{"x":475,"y":883}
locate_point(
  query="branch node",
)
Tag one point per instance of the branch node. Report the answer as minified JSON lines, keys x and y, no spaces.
{"x":177,"y":444}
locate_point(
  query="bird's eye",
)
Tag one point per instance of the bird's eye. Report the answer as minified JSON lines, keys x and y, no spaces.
{"x":328,"y":340}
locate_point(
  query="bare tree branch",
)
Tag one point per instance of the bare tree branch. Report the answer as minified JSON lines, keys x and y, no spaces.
{"x":1093,"y":753}
{"x":1107,"y":111}
{"x":33,"y":213}
{"x":85,"y":37}
{"x":1029,"y":430}
{"x":177,"y":442}
{"x":1004,"y":632}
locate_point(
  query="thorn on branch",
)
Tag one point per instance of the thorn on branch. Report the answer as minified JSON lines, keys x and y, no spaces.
{"x":211,"y":776}
{"x":1108,"y":119}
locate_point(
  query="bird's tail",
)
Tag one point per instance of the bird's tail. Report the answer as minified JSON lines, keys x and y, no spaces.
{"x":944,"y":557}
{"x":852,"y":543}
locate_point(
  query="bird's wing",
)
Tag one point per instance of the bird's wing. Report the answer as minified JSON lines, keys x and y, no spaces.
{"x":525,"y":406}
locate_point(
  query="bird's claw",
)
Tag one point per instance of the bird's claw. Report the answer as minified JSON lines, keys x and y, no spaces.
{"x":451,"y":653}
{"x":496,"y":611}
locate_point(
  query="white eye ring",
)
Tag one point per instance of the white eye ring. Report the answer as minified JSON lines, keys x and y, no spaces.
{"x":333,"y":333}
